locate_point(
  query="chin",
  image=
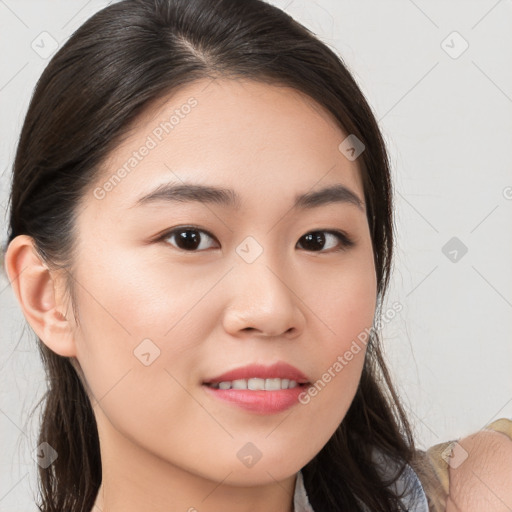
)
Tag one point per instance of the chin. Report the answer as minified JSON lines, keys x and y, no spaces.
{"x":265,"y":475}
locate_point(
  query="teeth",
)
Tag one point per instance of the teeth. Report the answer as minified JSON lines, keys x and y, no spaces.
{"x":256,"y":384}
{"x":239,"y":384}
{"x":272,"y":384}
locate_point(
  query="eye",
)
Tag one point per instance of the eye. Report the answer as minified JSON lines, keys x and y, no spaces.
{"x":193,"y":239}
{"x":188,"y":238}
{"x":316,"y":240}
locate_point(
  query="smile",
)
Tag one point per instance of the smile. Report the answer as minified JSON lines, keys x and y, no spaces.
{"x":256,"y":384}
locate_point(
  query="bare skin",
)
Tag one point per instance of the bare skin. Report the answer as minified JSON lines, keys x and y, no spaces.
{"x":167,"y":444}
{"x":484,"y":480}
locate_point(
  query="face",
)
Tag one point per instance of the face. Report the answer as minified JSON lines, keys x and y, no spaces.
{"x":175,"y":290}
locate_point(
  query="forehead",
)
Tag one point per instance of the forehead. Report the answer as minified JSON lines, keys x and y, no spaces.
{"x":250,"y":136}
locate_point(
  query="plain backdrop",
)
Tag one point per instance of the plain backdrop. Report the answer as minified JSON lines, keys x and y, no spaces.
{"x":438,"y":76}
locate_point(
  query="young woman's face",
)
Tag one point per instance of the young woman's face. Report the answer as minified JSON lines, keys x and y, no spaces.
{"x":177,"y":289}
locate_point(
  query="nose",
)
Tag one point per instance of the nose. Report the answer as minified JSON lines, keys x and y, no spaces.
{"x":263,"y":301}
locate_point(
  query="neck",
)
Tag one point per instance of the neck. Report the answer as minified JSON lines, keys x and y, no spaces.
{"x":134,"y":479}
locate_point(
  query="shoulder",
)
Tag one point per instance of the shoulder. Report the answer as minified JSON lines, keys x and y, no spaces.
{"x":471,"y":474}
{"x":483,"y":480}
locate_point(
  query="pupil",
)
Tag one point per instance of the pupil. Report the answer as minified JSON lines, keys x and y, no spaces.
{"x":315,"y":240}
{"x":188,"y":239}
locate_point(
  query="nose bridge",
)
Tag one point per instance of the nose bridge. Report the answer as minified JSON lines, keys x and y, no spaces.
{"x":262,"y":295}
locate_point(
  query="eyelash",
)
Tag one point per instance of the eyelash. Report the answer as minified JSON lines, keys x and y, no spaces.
{"x":345,"y":241}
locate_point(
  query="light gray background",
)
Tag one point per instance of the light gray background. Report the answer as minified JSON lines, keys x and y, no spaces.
{"x":447,"y":121}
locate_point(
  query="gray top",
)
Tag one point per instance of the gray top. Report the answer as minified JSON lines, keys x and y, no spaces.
{"x":414,"y":500}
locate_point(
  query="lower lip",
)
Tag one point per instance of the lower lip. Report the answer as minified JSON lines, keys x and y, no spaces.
{"x":261,"y":402}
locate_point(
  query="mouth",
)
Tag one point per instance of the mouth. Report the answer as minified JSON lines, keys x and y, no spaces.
{"x":257,"y":384}
{"x":259,"y":389}
{"x":258,"y":377}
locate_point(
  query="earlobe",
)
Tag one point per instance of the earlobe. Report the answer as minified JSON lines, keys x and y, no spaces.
{"x":36,"y":288}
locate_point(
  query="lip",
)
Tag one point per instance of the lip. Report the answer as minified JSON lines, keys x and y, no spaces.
{"x":260,"y":402}
{"x":279,"y":370}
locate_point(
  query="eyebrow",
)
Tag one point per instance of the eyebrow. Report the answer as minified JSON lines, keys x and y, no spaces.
{"x":187,"y":192}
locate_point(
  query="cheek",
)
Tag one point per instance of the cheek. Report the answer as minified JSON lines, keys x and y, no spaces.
{"x":136,"y":346}
{"x":128,"y":298}
{"x":345,"y":303}
{"x":141,"y":326}
{"x":128,"y":314}
{"x":346,"y":308}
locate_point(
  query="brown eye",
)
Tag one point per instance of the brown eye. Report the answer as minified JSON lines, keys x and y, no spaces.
{"x":316,"y":241}
{"x":188,"y":239}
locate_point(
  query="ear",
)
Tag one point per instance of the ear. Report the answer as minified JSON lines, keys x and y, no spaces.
{"x":40,"y":293}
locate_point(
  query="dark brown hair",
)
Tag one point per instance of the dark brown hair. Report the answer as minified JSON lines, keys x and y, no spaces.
{"x":124,"y":57}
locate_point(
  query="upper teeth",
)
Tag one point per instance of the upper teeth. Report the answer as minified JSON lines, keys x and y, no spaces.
{"x":256,"y":384}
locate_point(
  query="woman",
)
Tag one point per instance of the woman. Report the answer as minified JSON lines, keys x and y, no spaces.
{"x":201,"y":236}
